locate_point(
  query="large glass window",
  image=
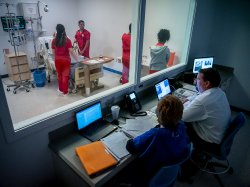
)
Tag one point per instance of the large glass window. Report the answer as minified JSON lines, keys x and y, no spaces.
{"x":107,"y":21}
{"x":167,"y":34}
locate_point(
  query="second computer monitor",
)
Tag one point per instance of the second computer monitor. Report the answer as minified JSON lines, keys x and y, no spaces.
{"x":162,"y":89}
{"x":202,"y":63}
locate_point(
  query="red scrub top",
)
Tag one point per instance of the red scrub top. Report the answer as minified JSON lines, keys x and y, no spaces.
{"x":62,"y":51}
{"x":126,"y":38}
{"x":81,"y":38}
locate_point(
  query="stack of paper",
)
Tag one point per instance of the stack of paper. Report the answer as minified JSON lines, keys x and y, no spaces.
{"x":93,"y":61}
{"x":139,"y":125}
{"x":116,"y":144}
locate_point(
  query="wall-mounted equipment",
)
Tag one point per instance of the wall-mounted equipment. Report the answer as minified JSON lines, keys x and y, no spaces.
{"x":13,"y":23}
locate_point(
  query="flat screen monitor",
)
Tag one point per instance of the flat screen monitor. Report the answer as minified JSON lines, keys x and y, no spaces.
{"x":88,"y":115}
{"x":202,"y":63}
{"x":162,"y":89}
{"x":13,"y":23}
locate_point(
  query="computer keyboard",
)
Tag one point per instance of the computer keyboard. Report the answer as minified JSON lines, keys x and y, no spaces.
{"x":182,"y":94}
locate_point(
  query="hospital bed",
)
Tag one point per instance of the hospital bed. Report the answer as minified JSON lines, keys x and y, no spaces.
{"x":77,"y":74}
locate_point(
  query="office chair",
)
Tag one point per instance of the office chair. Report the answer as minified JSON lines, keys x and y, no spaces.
{"x":216,"y":162}
{"x":167,"y":175}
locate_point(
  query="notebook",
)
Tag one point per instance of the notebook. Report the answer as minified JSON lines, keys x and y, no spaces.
{"x":95,"y":158}
{"x":91,"y":125}
{"x":162,"y":89}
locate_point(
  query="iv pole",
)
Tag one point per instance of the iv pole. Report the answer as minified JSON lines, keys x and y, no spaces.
{"x":46,"y":9}
{"x":13,"y":41}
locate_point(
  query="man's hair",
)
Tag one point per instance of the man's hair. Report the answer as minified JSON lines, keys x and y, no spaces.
{"x":169,"y":111}
{"x":211,"y":75}
{"x":81,"y":21}
{"x":163,"y":35}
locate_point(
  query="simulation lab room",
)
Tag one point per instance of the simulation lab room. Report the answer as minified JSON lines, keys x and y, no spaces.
{"x":37,"y":121}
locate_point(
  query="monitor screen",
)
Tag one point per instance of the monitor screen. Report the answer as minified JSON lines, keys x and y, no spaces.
{"x":88,"y":115}
{"x":162,"y":89}
{"x":13,"y":23}
{"x":202,"y":63}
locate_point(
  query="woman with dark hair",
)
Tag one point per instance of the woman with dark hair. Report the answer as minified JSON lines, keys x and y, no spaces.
{"x":160,"y":53}
{"x":62,"y":48}
{"x":166,"y":144}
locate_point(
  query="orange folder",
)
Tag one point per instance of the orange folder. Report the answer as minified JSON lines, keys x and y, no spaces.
{"x":94,"y":157}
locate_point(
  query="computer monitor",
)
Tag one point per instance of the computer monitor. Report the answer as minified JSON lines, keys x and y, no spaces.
{"x":88,"y":115}
{"x":13,"y":23}
{"x":202,"y":63}
{"x":162,"y":89}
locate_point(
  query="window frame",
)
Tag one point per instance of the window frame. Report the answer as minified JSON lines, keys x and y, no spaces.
{"x":65,"y":115}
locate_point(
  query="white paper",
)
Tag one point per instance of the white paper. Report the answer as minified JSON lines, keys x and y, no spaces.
{"x":93,"y":61}
{"x":116,"y":144}
{"x":139,"y":125}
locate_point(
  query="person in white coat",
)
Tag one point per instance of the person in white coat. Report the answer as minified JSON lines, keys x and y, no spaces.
{"x":207,"y":116}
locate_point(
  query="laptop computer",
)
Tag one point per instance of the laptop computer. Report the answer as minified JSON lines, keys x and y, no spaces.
{"x":162,"y":89}
{"x":90,"y":123}
{"x":202,"y":63}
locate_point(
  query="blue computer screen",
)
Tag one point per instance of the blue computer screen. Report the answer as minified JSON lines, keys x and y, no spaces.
{"x":202,"y":63}
{"x":162,"y":89}
{"x":88,"y":115}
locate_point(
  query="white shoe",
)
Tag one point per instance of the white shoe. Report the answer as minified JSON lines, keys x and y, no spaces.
{"x":60,"y":92}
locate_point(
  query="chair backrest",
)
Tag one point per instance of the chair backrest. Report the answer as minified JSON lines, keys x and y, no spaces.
{"x":167,"y":175}
{"x":234,"y":126}
{"x":171,"y":59}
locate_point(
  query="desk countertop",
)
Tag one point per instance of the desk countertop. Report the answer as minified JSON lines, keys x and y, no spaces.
{"x":65,"y":149}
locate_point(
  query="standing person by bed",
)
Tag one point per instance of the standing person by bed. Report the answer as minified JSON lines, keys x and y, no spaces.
{"x":166,"y":144}
{"x":126,"y":39}
{"x":62,"y":49}
{"x":82,"y":37}
{"x":160,"y":53}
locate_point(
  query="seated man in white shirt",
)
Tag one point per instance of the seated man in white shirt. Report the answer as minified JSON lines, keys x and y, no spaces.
{"x":207,"y":116}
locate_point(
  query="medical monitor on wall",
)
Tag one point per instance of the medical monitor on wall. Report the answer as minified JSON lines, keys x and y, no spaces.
{"x":13,"y":23}
{"x":202,"y":63}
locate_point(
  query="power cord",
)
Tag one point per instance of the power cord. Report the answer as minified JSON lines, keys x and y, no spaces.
{"x":142,"y":113}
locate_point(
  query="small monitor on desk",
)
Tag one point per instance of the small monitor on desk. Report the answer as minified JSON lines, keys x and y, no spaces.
{"x":202,"y":63}
{"x":162,"y":89}
{"x":89,"y":115}
{"x":90,"y":123}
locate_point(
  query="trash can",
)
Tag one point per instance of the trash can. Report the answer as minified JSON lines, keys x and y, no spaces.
{"x":39,"y":77}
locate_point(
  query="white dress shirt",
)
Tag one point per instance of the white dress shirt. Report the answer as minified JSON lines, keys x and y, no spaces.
{"x":210,"y":114}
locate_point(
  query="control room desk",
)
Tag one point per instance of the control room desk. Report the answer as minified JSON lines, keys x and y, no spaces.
{"x":69,"y":168}
{"x":88,"y":63}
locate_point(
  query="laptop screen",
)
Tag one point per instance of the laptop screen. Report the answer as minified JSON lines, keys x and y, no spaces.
{"x":202,"y":63}
{"x":162,"y":89}
{"x":88,"y":115}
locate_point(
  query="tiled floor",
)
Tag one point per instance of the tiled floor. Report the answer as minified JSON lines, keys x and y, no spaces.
{"x":39,"y":100}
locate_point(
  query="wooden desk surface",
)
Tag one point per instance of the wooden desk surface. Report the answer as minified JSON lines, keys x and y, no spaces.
{"x":97,"y":60}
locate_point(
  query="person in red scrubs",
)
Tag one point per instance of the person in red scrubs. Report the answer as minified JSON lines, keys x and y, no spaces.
{"x":82,"y":37}
{"x":62,"y":49}
{"x":126,"y":38}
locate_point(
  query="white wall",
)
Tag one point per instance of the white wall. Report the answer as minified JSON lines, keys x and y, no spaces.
{"x":60,"y":11}
{"x":107,"y":21}
{"x":166,"y":14}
